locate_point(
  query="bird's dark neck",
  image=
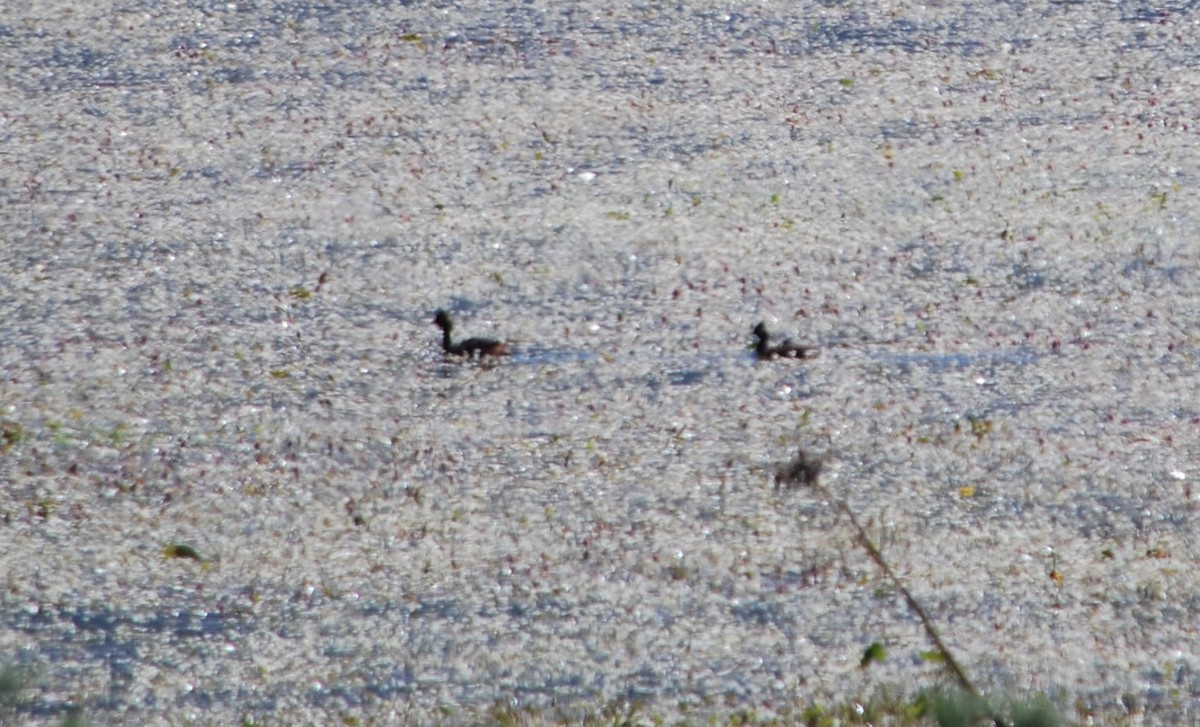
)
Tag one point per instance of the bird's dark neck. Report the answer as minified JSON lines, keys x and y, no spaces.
{"x":446,"y":345}
{"x":763,"y":347}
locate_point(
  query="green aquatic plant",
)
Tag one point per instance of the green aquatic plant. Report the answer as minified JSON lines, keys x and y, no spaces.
{"x":1158,"y":199}
{"x":11,"y":434}
{"x":980,"y":427}
{"x":12,"y":684}
{"x":74,"y":718}
{"x":873,"y":653}
{"x":178,"y":550}
{"x":1034,"y":712}
{"x":956,"y":708}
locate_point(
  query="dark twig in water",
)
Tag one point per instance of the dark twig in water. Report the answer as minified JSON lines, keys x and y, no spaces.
{"x":805,"y":470}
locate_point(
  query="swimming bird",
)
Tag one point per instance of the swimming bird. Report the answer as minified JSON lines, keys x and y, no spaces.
{"x":764,"y":350}
{"x":471,"y":347}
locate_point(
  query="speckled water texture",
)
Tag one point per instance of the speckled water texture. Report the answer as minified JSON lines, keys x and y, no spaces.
{"x":227,"y":226}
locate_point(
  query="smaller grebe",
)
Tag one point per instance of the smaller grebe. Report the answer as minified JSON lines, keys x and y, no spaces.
{"x":764,"y":350}
{"x":471,"y":347}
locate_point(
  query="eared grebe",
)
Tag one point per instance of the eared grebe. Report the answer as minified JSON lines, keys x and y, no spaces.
{"x":471,"y":347}
{"x":764,"y":350}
